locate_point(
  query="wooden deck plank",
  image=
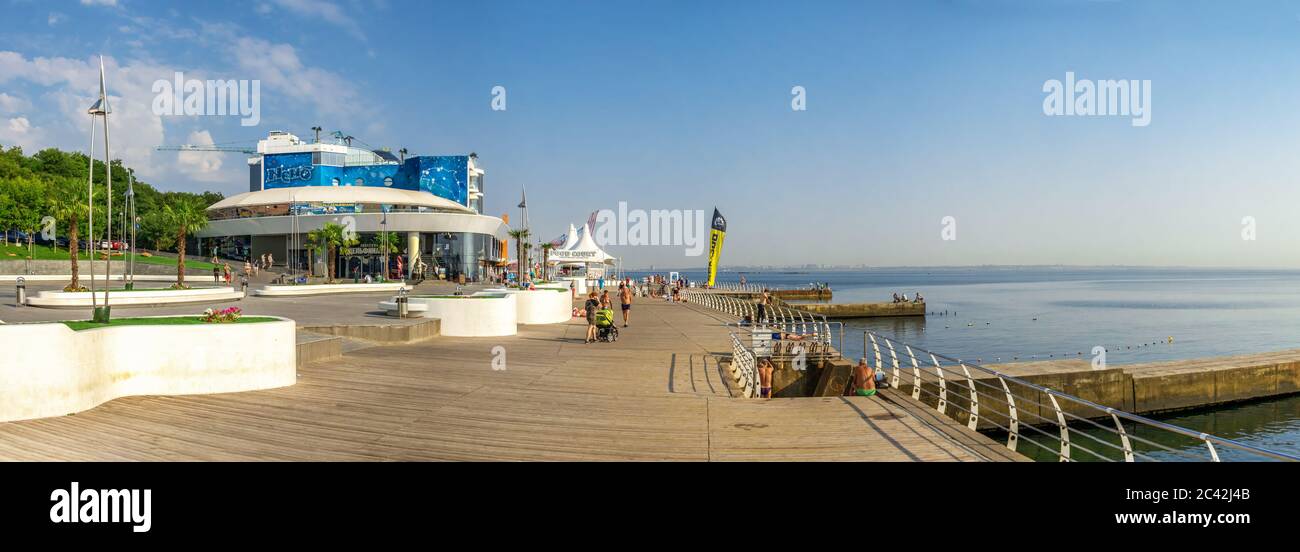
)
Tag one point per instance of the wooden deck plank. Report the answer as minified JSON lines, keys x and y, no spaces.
{"x":656,"y":394}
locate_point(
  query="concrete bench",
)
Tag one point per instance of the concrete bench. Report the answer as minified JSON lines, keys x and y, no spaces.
{"x":413,"y":309}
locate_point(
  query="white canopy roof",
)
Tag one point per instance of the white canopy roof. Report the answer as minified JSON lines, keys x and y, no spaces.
{"x":580,"y":249}
{"x":340,"y":194}
{"x":570,"y":239}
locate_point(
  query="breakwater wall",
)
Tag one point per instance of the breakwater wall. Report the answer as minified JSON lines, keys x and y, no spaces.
{"x":862,"y":310}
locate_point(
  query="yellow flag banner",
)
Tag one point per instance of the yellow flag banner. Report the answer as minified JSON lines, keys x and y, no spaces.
{"x":716,"y":234}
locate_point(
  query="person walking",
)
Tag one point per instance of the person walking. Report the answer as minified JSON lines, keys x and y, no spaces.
{"x":625,"y":297}
{"x":591,"y":306}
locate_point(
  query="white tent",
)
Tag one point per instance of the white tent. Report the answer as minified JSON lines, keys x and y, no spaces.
{"x":580,"y":248}
{"x":570,"y":239}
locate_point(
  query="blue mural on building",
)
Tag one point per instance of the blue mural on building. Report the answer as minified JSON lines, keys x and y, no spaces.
{"x":287,"y":170}
{"x":445,"y":176}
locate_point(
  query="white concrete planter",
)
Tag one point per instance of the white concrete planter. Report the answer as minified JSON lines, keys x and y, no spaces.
{"x":580,"y":282}
{"x":73,"y":371}
{"x":322,"y":289}
{"x":471,"y":315}
{"x":56,"y":299}
{"x":540,"y":306}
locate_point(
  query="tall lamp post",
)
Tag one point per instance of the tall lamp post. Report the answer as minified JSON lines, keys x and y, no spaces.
{"x":101,"y":109}
{"x":128,"y":215}
{"x":90,"y":216}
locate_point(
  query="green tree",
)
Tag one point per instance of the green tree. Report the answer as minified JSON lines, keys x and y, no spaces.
{"x":329,"y":240}
{"x":187,"y":216}
{"x":546,"y":259}
{"x":8,"y":208}
{"x":520,"y":236}
{"x":155,"y":228}
{"x":30,"y":197}
{"x":393,"y":244}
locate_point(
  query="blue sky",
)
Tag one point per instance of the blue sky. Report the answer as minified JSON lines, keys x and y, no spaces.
{"x":915,"y":111}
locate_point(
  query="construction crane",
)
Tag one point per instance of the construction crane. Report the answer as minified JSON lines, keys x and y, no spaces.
{"x":338,"y":135}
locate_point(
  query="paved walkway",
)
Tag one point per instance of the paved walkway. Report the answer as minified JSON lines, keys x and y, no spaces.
{"x":656,"y":394}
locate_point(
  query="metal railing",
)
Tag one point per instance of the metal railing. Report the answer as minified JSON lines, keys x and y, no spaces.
{"x":732,"y":286}
{"x":788,"y":319}
{"x":744,"y":367}
{"x":960,"y":389}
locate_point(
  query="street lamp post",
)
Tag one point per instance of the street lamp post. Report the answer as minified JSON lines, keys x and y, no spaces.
{"x":101,"y":109}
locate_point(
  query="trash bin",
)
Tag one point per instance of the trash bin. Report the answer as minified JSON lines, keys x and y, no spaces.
{"x":22,"y":292}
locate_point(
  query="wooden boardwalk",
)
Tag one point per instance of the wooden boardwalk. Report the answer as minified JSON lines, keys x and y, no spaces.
{"x":656,"y":394}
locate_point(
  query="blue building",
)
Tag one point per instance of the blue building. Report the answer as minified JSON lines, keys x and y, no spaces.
{"x":434,"y":202}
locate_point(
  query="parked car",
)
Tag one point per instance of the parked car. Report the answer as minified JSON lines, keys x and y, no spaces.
{"x":116,"y":245}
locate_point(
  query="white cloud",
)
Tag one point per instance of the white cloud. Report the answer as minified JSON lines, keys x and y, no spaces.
{"x":19,"y":125}
{"x":55,"y":18}
{"x":59,"y":89}
{"x":99,"y":2}
{"x":280,"y":69}
{"x":204,"y":166}
{"x":18,"y":131}
{"x":327,"y":11}
{"x":73,"y":85}
{"x":13,"y":104}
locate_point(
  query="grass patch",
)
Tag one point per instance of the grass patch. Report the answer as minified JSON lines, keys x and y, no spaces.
{"x":195,"y":320}
{"x":47,"y":253}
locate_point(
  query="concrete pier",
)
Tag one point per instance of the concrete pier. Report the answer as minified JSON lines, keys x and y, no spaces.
{"x":862,"y":310}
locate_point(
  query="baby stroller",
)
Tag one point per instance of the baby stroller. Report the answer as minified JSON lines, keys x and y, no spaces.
{"x":605,"y":328}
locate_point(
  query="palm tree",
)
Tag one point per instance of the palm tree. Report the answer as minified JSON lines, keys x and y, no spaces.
{"x":187,"y":216}
{"x":528,"y":252}
{"x":69,"y":207}
{"x":387,"y":243}
{"x":546,"y":257}
{"x":520,"y":235}
{"x":329,"y":239}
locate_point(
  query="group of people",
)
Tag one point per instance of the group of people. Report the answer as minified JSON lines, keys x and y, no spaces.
{"x":865,"y":379}
{"x":903,"y":298}
{"x":222,"y":272}
{"x":599,"y":310}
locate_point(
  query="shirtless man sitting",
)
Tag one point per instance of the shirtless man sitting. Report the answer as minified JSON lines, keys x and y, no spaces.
{"x":864,"y":379}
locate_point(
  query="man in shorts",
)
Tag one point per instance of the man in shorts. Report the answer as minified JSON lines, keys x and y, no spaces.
{"x":625,"y":297}
{"x":864,"y":379}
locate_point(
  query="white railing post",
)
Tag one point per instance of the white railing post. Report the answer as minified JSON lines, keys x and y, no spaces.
{"x":1065,"y":429}
{"x":974,"y":420}
{"x":1013,"y":425}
